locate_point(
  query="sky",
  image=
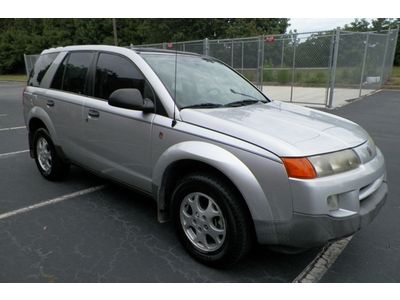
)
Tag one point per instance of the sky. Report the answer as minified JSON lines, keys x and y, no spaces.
{"x":315,"y":24}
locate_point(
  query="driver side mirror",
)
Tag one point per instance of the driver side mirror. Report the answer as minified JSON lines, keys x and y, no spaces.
{"x":130,"y":99}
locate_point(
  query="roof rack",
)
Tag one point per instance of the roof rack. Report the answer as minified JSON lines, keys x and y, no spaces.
{"x":158,"y":50}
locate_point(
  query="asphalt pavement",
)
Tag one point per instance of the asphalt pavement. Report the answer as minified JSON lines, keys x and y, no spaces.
{"x":373,"y":255}
{"x":112,"y":234}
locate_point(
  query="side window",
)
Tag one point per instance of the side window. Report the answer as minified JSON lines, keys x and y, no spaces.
{"x":76,"y":68}
{"x":41,"y":66}
{"x":114,"y":72}
{"x":58,"y":77}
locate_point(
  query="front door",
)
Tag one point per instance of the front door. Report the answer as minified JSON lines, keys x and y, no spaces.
{"x":117,"y":140}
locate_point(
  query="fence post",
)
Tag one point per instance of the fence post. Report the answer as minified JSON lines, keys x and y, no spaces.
{"x":293,"y":66}
{"x":384,"y":58}
{"x":328,"y":84}
{"x":258,"y":63}
{"x":232,"y":53}
{"x":26,"y":66}
{"x":262,"y":61}
{"x":364,"y":62}
{"x":206,"y":47}
{"x":333,"y":68}
{"x":283,"y":50}
{"x":242,"y":57}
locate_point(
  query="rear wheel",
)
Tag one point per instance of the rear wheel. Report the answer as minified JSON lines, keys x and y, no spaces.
{"x":49,"y":163}
{"x":211,"y":220}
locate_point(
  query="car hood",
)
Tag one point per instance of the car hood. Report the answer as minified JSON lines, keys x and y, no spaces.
{"x":282,"y":128}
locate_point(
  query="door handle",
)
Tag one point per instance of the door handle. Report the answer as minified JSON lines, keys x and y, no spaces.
{"x":93,"y":113}
{"x":50,"y":103}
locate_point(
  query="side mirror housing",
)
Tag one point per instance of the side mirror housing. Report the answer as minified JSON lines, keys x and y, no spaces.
{"x":130,"y":99}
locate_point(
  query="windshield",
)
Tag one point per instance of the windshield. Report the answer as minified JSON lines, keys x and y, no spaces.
{"x":201,"y":81}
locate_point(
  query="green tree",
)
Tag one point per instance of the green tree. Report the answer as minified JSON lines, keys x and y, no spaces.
{"x":29,"y":36}
{"x":378,"y":24}
{"x":165,"y":30}
{"x":358,"y":25}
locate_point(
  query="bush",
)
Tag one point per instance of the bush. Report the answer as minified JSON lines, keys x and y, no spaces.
{"x":283,"y":76}
{"x":268,"y":76}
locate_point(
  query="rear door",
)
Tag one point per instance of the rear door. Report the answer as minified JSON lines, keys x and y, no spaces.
{"x":117,"y":140}
{"x":37,"y":84}
{"x":65,"y":98}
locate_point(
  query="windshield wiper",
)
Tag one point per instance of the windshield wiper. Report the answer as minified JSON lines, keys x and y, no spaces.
{"x":203,"y":105}
{"x":238,"y":93}
{"x":243,"y":102}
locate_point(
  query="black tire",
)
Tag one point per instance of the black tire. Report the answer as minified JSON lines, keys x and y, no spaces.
{"x":239,"y":233}
{"x":59,"y":169}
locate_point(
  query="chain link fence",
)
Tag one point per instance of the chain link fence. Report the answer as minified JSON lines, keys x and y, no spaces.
{"x":30,"y":62}
{"x":319,"y":68}
{"x":297,"y":67}
{"x":364,"y":62}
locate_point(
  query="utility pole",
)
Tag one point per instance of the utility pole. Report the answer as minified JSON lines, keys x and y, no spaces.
{"x":115,"y":32}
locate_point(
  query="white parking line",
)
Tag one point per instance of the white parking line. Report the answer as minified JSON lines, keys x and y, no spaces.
{"x":322,"y":262}
{"x":13,"y":153}
{"x":12,"y":128}
{"x":51,"y":201}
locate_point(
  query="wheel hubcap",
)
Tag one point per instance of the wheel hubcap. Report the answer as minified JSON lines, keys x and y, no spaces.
{"x":44,"y":154}
{"x":203,"y":222}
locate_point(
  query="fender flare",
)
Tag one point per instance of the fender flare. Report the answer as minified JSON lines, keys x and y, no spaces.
{"x":42,"y":115}
{"x":224,"y":161}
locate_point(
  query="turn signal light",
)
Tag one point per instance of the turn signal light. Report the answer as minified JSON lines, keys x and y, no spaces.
{"x":299,"y":167}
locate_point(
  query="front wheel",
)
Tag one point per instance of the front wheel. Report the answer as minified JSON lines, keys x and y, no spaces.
{"x":211,"y":220}
{"x":49,"y":163}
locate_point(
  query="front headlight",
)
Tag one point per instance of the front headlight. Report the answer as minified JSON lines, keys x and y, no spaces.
{"x":333,"y":163}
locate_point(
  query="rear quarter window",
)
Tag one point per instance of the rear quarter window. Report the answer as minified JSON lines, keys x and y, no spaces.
{"x":42,"y":65}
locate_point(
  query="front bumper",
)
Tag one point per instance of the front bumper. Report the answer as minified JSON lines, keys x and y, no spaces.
{"x":361,"y":194}
{"x":305,"y":231}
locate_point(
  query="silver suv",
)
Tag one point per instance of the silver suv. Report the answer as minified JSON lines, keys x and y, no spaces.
{"x":227,"y":165}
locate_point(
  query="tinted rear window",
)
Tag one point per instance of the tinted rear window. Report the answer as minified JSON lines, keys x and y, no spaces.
{"x":74,"y":79}
{"x":59,"y":76}
{"x":42,"y":65}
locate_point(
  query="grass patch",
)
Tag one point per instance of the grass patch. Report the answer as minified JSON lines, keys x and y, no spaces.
{"x":346,"y":77}
{"x":396,"y":71}
{"x":13,"y":77}
{"x":394,"y":80}
{"x":302,"y":77}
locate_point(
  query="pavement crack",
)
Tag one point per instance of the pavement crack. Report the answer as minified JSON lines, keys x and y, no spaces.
{"x":324,"y":260}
